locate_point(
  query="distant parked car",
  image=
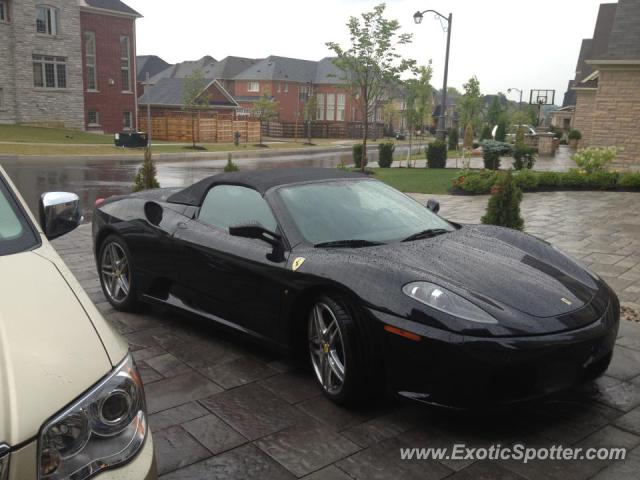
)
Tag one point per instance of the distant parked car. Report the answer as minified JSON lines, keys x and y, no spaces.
{"x":401,"y":136}
{"x":72,"y":403}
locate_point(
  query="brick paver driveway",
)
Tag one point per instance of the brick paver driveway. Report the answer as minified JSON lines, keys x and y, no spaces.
{"x":224,"y":408}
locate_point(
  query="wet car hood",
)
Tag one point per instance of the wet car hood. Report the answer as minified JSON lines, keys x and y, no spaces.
{"x":506,"y":266}
{"x":50,"y":352}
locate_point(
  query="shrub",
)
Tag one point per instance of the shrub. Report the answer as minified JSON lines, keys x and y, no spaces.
{"x":504,"y":205}
{"x":357,"y":153}
{"x":468,"y":136}
{"x":520,"y":136}
{"x":492,"y":150}
{"x":594,"y":159}
{"x":437,"y":154}
{"x":602,"y":180}
{"x":527,"y":180}
{"x":486,"y":133}
{"x":572,"y":179}
{"x":453,"y":139}
{"x":629,"y":180}
{"x":230,"y":166}
{"x":478,"y":183}
{"x":575,"y":135}
{"x":548,"y":179}
{"x":501,"y":131}
{"x":523,"y":157}
{"x":385,"y":154}
{"x":146,"y":176}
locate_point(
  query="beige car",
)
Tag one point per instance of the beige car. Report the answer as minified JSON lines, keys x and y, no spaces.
{"x":71,"y":400}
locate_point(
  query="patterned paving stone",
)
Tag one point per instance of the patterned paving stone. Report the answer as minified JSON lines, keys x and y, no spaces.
{"x":167,"y":365}
{"x":176,"y":415}
{"x":302,"y":449}
{"x":628,"y":468}
{"x":238,"y":372}
{"x":214,"y":434}
{"x":175,"y":448}
{"x":328,"y":473}
{"x":175,"y":391}
{"x":630,"y":421}
{"x":485,"y":471}
{"x":292,"y":387}
{"x":253,"y":411}
{"x":625,"y":363}
{"x":246,"y":463}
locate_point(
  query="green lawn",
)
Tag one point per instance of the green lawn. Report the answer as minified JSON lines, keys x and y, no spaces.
{"x":418,"y":180}
{"x":21,"y":133}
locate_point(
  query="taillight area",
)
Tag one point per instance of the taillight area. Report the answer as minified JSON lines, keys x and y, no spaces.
{"x":99,"y":201}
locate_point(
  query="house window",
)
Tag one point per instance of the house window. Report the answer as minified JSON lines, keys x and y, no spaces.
{"x":127,"y":121}
{"x":253,"y":87}
{"x":340,"y":108}
{"x":49,"y":72}
{"x":125,"y":64}
{"x":331,"y":107}
{"x":286,"y":88}
{"x":46,"y":20}
{"x":4,"y":11}
{"x":320,"y":106}
{"x":304,"y":92}
{"x":279,"y":87}
{"x":93,"y":119}
{"x":90,"y":54}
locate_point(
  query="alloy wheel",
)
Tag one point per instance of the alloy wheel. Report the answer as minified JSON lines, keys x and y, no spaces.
{"x":326,"y":348}
{"x":116,"y":275}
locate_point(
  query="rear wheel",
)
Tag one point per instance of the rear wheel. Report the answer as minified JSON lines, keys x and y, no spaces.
{"x":335,"y":349}
{"x":116,"y":274}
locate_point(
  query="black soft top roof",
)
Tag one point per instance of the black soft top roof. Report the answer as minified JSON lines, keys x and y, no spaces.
{"x":260,"y":180}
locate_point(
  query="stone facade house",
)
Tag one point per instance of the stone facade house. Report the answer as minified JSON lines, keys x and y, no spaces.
{"x":64,"y":62}
{"x":607,"y":83}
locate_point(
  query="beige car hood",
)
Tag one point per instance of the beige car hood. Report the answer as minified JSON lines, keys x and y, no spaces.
{"x":50,"y":352}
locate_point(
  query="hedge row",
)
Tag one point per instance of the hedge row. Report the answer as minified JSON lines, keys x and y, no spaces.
{"x":530,"y":181}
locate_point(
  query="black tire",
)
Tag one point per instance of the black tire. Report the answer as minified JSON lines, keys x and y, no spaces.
{"x":124,"y":301}
{"x":357,"y":354}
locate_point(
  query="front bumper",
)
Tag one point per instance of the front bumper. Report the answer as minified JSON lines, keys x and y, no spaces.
{"x":460,"y":371}
{"x":24,"y":465}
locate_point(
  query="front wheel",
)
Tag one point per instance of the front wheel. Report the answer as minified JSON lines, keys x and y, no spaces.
{"x":335,"y":350}
{"x":116,"y":274}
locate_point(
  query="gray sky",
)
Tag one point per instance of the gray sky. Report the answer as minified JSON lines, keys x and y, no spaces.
{"x":505,"y":43}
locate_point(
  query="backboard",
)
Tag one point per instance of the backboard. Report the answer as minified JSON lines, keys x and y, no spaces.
{"x":542,"y":97}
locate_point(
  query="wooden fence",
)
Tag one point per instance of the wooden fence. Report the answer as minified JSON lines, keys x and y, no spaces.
{"x":320,"y":130}
{"x":178,"y":127}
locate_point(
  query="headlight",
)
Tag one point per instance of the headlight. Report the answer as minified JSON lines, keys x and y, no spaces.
{"x":103,"y":429}
{"x":446,"y":301}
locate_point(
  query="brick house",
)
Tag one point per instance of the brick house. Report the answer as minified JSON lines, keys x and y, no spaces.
{"x":607,"y":83}
{"x":109,"y":73}
{"x":48,"y":75}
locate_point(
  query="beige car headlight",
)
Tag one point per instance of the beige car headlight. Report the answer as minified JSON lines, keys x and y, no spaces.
{"x":104,"y":429}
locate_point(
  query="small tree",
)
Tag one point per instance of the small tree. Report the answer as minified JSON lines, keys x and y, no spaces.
{"x":470,"y":103}
{"x":385,"y":154}
{"x":146,"y":176}
{"x":310,"y":110}
{"x":495,"y":112}
{"x":468,"y":136}
{"x":453,"y":139}
{"x":437,"y":154}
{"x":492,"y":150}
{"x":370,"y":64}
{"x":230,"y":166}
{"x":264,"y":110}
{"x":486,"y":132}
{"x":501,"y":131}
{"x":195,"y":98}
{"x":504,"y":205}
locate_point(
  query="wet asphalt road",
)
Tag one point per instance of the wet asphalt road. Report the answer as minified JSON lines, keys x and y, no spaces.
{"x":99,"y":178}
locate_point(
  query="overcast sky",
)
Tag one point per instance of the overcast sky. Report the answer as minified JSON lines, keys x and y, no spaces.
{"x":505,"y":43}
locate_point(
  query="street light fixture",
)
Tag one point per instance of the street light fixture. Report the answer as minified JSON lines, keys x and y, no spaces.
{"x":417,"y":18}
{"x":517,"y":90}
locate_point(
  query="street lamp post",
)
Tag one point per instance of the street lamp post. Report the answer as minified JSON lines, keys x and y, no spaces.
{"x":517,"y":90}
{"x":417,"y":17}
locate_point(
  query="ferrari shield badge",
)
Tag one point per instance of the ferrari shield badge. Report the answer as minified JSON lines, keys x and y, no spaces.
{"x":297,"y":263}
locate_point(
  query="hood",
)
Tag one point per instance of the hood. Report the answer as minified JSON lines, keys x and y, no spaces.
{"x":500,"y":265}
{"x":50,"y":352}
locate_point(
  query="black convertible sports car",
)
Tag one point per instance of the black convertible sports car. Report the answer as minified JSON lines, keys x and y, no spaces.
{"x":377,"y":289}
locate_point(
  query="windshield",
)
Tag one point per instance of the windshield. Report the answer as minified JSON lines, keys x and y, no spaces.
{"x":356,"y":210}
{"x":16,"y":234}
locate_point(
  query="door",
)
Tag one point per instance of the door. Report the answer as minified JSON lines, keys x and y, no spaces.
{"x":236,"y":279}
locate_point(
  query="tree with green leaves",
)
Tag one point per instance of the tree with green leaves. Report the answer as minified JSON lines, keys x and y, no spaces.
{"x":371,"y":63}
{"x":419,"y":100}
{"x":265,"y":109}
{"x":195,"y":98}
{"x":495,"y":112}
{"x":146,"y":176}
{"x":310,"y":111}
{"x":470,"y":103}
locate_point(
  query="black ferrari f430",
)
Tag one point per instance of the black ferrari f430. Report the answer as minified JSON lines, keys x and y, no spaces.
{"x":377,"y":290}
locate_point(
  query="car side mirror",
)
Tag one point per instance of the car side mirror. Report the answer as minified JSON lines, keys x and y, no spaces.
{"x":255,"y":230}
{"x":59,"y":213}
{"x":433,"y":205}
